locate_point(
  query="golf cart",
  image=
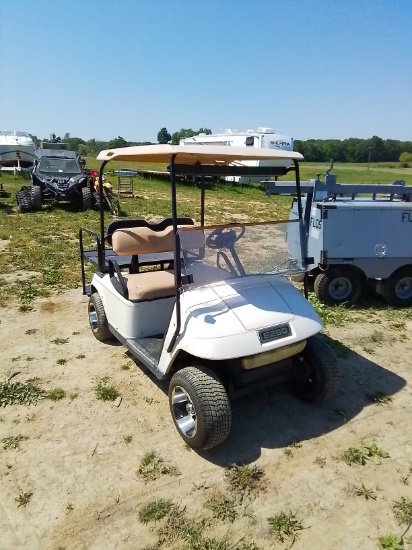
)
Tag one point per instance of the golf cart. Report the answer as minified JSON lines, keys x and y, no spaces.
{"x":209,"y":307}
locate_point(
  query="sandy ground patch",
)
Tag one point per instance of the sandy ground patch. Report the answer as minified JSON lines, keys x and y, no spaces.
{"x":81,"y":471}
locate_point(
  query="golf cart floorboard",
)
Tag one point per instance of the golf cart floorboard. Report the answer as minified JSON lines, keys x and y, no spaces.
{"x":146,"y":350}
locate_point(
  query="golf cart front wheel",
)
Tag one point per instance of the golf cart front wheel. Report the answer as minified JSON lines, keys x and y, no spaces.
{"x":338,"y":285}
{"x":316,"y":375}
{"x":200,"y":407}
{"x":397,"y":289}
{"x":97,"y":318}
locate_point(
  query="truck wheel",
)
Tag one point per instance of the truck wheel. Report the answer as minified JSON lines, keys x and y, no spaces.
{"x":338,"y":285}
{"x":200,"y":407}
{"x":87,"y":199}
{"x":97,"y":318}
{"x":35,"y":197}
{"x":397,"y":289}
{"x":316,"y":374}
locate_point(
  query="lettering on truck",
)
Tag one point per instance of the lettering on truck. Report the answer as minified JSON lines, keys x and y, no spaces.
{"x":407,"y":216}
{"x":316,"y":223}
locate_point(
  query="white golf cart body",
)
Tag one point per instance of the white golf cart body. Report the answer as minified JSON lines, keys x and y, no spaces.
{"x":213,"y":302}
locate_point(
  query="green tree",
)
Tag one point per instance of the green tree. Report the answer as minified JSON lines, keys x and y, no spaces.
{"x":117,"y":142}
{"x":405,"y":159}
{"x":163,"y":136}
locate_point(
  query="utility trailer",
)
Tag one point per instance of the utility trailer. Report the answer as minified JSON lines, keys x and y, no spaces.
{"x":355,"y":232}
{"x":207,"y":307}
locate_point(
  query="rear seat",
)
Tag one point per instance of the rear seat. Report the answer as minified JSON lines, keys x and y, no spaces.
{"x":146,"y":285}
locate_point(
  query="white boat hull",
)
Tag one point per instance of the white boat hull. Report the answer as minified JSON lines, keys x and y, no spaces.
{"x":16,"y":150}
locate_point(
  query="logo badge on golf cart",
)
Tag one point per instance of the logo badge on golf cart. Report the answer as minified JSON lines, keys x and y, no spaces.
{"x":274,"y":333}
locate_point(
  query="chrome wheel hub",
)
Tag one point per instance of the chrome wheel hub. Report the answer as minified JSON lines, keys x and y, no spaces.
{"x":184,"y":412}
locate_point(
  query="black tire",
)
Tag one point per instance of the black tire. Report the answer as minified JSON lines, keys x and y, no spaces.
{"x":397,"y":289}
{"x":97,"y":319}
{"x":200,"y":407}
{"x":338,"y":286}
{"x":35,"y":197}
{"x":316,"y":374}
{"x":87,"y":199}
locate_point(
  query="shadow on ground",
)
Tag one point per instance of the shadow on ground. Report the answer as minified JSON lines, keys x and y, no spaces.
{"x":275,"y":419}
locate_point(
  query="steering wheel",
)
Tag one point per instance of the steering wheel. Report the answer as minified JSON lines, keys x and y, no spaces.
{"x":224,"y":237}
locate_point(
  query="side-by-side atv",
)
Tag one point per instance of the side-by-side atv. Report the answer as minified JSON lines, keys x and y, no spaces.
{"x":57,"y":175}
{"x":208,"y":307}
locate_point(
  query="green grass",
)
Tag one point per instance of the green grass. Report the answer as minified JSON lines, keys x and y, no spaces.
{"x":222,"y":507}
{"x":153,"y":466}
{"x":360,"y":455}
{"x":56,"y":394}
{"x":155,"y":510}
{"x":13,"y":442}
{"x":22,"y":393}
{"x":244,"y":478}
{"x":390,"y":542}
{"x":285,"y":527}
{"x":23,"y":499}
{"x":50,"y":247}
{"x":403,"y":511}
{"x":105,"y":392}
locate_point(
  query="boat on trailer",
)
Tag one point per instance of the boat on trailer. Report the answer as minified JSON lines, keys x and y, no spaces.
{"x":16,"y":151}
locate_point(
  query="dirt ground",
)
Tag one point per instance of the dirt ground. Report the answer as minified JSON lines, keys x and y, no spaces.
{"x":80,"y":465}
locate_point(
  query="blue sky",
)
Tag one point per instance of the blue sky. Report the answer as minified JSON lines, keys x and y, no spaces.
{"x":308,"y":68}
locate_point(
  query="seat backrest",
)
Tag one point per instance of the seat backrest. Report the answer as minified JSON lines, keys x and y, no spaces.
{"x":144,"y":240}
{"x":140,"y":222}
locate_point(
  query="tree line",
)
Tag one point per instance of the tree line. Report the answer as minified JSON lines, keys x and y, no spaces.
{"x":374,"y":149}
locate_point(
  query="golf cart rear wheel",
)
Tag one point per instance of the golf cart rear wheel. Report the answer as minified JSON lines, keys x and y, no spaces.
{"x":97,"y":318}
{"x":200,"y":407}
{"x":87,"y":199}
{"x":338,"y":285}
{"x":315,"y":374}
{"x":35,"y":197}
{"x":397,"y":289}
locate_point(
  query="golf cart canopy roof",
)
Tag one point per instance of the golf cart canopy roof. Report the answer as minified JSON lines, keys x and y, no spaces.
{"x":195,"y":154}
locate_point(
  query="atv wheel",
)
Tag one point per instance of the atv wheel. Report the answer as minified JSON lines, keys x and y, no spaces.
{"x":338,"y":285}
{"x":97,"y":319}
{"x":200,"y":407}
{"x":35,"y":197}
{"x":315,"y":373}
{"x":87,"y":199}
{"x":24,"y":198}
{"x":397,"y":289}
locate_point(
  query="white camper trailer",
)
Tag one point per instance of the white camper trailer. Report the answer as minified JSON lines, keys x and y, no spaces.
{"x":262,"y":138}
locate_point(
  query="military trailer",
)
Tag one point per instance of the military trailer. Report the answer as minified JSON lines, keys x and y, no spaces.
{"x":356,"y":232}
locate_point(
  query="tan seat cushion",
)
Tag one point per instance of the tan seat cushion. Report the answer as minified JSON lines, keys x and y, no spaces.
{"x":150,"y":285}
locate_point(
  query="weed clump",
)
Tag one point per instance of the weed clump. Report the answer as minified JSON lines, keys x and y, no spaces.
{"x":223,"y":508}
{"x":153,"y":466}
{"x":285,"y":526}
{"x":244,"y":479}
{"x":403,"y":511}
{"x":20,"y":393}
{"x":104,"y":392}
{"x":13,"y":442}
{"x":155,"y":510}
{"x":56,"y":394}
